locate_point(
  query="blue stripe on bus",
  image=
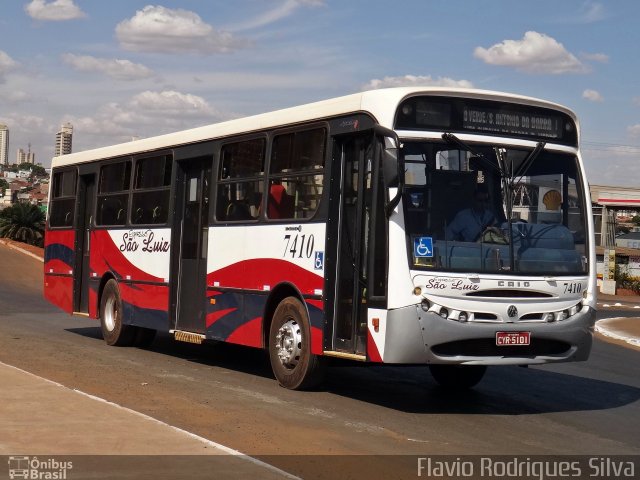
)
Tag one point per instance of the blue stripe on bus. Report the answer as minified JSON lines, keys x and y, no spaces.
{"x":58,"y":251}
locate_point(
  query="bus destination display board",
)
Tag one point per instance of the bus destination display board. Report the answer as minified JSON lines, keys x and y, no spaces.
{"x":486,"y":117}
{"x":512,"y":122}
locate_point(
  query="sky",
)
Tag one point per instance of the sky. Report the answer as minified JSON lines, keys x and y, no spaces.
{"x":123,"y":69}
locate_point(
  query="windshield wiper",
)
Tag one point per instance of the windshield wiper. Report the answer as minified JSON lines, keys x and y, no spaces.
{"x":451,"y":139}
{"x":524,"y":166}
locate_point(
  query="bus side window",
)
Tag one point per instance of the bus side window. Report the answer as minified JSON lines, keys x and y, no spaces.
{"x":113,"y":195}
{"x":63,"y":199}
{"x":151,"y":189}
{"x":296,"y":174}
{"x":240,"y":182}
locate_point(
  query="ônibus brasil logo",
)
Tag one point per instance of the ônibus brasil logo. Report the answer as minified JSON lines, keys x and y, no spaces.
{"x":32,"y":468}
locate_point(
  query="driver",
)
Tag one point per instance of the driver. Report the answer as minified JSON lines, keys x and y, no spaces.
{"x":468,"y":224}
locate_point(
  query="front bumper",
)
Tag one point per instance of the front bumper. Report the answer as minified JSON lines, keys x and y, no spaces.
{"x":417,"y":337}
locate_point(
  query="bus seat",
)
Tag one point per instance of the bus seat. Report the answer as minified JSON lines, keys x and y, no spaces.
{"x":280,"y":202}
{"x":238,"y":211}
{"x":156,"y":213}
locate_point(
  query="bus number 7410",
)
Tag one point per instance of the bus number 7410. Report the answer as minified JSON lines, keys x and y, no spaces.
{"x":572,"y":287}
{"x":300,"y":245}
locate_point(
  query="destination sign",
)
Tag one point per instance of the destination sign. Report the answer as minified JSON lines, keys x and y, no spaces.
{"x":512,"y":122}
{"x":486,"y":117}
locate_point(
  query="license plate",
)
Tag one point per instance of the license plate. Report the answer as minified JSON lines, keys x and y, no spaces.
{"x":504,"y":339}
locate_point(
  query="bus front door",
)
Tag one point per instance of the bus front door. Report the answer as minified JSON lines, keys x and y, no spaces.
{"x":191,"y":227}
{"x":350,"y":311}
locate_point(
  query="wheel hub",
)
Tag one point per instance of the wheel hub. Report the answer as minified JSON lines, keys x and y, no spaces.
{"x":289,"y":343}
{"x":110,"y":313}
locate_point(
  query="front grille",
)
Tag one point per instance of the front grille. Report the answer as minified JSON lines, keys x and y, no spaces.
{"x":486,"y":347}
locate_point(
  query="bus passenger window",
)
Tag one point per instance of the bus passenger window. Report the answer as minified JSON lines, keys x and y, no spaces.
{"x":240,"y":182}
{"x":113,"y":195}
{"x":151,"y":191}
{"x":296,"y":174}
{"x":63,"y":199}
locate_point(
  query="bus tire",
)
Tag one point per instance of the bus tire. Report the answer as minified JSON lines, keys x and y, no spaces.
{"x":144,"y":337}
{"x":457,"y":377}
{"x":114,"y":331}
{"x":293,"y":364}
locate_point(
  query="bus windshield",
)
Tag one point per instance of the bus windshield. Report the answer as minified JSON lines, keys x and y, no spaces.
{"x":494,"y":209}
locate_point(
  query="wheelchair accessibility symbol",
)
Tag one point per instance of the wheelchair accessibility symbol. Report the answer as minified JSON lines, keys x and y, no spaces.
{"x":423,"y":247}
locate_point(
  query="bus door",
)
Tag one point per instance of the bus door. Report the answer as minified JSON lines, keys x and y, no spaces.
{"x":82,"y":274}
{"x":350,"y":318}
{"x":191,"y":227}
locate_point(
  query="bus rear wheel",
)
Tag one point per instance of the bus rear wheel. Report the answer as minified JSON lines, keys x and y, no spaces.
{"x":114,"y":331}
{"x":293,"y":364}
{"x":457,"y":377}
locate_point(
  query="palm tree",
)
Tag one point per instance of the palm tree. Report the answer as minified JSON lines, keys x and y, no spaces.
{"x":23,"y":222}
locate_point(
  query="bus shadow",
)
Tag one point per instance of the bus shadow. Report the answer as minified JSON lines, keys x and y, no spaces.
{"x":251,"y":361}
{"x":503,"y":391}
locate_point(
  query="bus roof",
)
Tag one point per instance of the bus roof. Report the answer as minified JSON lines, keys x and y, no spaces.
{"x":381,"y":104}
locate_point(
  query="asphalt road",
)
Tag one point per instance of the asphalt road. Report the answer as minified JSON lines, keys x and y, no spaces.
{"x":228,"y":395}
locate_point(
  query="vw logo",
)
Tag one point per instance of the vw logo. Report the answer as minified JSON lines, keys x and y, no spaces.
{"x":512,"y":311}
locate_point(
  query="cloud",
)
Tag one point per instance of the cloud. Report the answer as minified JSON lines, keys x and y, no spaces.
{"x":14,"y":96}
{"x":6,"y":65}
{"x":416,"y":80}
{"x":592,"y":95}
{"x":595,"y":57}
{"x":55,"y":11}
{"x":634,"y":130}
{"x":283,"y":10}
{"x":636,"y":101}
{"x":535,"y":53}
{"x":591,"y":12}
{"x":146,"y":114}
{"x":163,"y":30}
{"x":170,"y":102}
{"x":115,"y":68}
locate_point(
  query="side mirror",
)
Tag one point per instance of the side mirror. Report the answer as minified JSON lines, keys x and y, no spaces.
{"x":390,"y":163}
{"x":392,"y":166}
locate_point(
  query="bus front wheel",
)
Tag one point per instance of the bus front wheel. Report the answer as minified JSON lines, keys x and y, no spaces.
{"x":293,"y":364}
{"x":114,"y":331}
{"x":457,"y":377}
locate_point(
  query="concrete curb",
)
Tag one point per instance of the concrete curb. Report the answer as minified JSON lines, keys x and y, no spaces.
{"x":21,"y":250}
{"x":603,"y":328}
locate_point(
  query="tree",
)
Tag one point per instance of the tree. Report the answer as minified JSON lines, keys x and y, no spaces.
{"x":38,"y":171}
{"x":23,"y":222}
{"x":636,"y":220}
{"x":3,"y":185}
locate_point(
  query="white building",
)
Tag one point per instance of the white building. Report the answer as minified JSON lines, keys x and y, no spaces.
{"x":25,"y":157}
{"x":4,"y":145}
{"x":63,"y":140}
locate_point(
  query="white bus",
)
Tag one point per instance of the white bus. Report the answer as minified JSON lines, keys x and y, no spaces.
{"x":340,"y":229}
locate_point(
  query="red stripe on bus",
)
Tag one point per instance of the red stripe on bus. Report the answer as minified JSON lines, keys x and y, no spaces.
{"x":372,"y":349}
{"x":249,"y":334}
{"x":257,"y":273}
